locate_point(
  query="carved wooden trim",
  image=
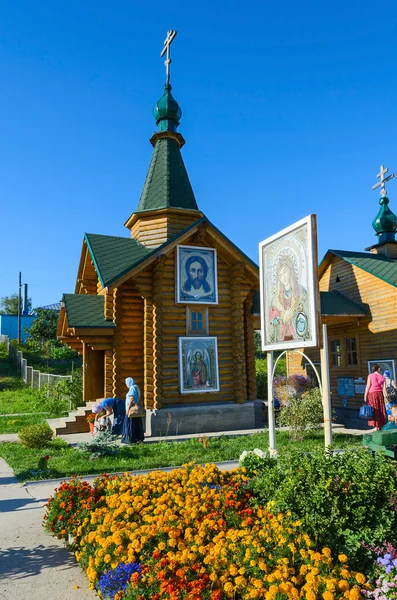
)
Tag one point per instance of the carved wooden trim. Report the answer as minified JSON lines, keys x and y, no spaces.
{"x":108,"y":373}
{"x":250,"y":347}
{"x":158,"y":274}
{"x":238,"y":342}
{"x":116,"y":339}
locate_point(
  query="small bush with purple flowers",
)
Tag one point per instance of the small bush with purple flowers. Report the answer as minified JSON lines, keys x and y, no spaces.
{"x":386,"y":578}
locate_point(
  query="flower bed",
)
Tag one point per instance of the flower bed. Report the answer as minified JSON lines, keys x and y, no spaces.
{"x":192,"y":534}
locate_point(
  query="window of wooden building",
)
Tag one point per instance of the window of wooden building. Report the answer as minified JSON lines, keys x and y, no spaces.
{"x":351,"y":351}
{"x":336,"y":353}
{"x":344,"y":352}
{"x":196,"y":321}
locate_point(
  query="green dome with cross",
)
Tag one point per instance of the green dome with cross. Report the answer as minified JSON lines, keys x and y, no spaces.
{"x":385,"y":222}
{"x":167,"y":111}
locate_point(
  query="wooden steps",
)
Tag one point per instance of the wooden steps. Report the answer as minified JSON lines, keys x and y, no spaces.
{"x":75,"y":422}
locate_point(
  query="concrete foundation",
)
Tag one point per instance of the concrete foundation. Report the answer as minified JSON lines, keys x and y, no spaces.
{"x":349,"y":417}
{"x":200,"y":418}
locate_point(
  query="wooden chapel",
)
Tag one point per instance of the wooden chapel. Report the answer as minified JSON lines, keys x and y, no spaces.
{"x":169,"y":305}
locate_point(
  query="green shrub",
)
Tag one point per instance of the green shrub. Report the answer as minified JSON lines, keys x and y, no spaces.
{"x":36,"y":436}
{"x":54,"y":400}
{"x":72,"y":390}
{"x":103,"y":444}
{"x":261,"y":375}
{"x":63,"y":352}
{"x":302,"y":414}
{"x":342,"y":499}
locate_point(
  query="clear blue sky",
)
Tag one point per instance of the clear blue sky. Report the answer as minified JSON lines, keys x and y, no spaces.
{"x":288,"y":108}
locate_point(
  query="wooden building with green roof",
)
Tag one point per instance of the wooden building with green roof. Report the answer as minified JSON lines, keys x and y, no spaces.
{"x":358,"y":293}
{"x":170,"y":305}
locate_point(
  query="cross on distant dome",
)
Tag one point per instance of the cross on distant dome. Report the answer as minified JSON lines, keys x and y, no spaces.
{"x":383,"y":180}
{"x":171,"y":34}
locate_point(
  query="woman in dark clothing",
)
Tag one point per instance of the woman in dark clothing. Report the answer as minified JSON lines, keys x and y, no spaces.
{"x":112,"y":406}
{"x":133,"y":431}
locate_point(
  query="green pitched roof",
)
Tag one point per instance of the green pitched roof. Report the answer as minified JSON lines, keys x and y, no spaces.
{"x":114,"y":255}
{"x":380,"y":266}
{"x":84,"y":310}
{"x":167,"y":183}
{"x":331,"y":303}
{"x":335,"y":303}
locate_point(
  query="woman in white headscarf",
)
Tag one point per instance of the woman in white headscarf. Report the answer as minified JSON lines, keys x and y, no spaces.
{"x":133,"y":431}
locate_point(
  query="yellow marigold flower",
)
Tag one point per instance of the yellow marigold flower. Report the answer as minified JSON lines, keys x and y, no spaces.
{"x":233,"y":570}
{"x":328,"y":596}
{"x":342,"y":558}
{"x":360,"y":578}
{"x":345,"y":574}
{"x":228,"y":589}
{"x":343,"y":585}
{"x":330,"y":585}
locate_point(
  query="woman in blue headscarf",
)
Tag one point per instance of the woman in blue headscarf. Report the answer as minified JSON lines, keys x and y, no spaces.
{"x":133,"y":431}
{"x":111,"y":406}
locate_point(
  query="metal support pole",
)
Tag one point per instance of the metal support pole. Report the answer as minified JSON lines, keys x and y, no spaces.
{"x":326,"y":390}
{"x":19,"y":307}
{"x":270,"y":404}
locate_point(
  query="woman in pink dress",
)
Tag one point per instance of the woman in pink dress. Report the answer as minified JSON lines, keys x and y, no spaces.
{"x":375,"y":397}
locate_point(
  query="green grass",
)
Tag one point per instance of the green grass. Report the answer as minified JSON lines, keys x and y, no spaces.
{"x":65,"y":461}
{"x":11,"y":424}
{"x":21,"y":400}
{"x":9,"y":376}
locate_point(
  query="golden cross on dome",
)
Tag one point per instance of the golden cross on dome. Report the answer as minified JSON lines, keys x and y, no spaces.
{"x":171,"y":34}
{"x":383,"y":180}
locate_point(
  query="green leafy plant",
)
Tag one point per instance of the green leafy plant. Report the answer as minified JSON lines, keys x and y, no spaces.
{"x":104,"y":444}
{"x":72,"y":390}
{"x":342,"y":499}
{"x":63,"y":352}
{"x":261,"y":375}
{"x":302,"y":414}
{"x":36,"y":436}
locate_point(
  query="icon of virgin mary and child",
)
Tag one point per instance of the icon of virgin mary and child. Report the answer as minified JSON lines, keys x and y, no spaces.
{"x":289,"y":304}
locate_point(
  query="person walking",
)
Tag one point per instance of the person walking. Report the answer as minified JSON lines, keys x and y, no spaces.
{"x":389,"y":389}
{"x":111,"y":406}
{"x":133,"y":431}
{"x":375,"y":398}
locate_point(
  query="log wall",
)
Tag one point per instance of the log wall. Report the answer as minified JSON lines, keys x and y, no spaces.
{"x":149,"y":324}
{"x":128,"y":345}
{"x":155,"y":229}
{"x":376,"y":334}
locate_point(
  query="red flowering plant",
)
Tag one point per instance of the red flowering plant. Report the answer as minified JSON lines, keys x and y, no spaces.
{"x":91,"y":417}
{"x":70,"y":507}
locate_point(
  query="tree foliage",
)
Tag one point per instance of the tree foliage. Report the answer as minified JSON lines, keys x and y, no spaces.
{"x":44,"y":327}
{"x":9,"y":305}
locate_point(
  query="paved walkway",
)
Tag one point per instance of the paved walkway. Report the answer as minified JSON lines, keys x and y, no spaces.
{"x":33,"y":565}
